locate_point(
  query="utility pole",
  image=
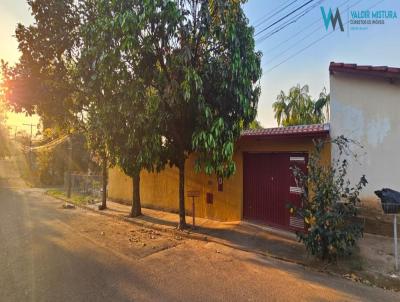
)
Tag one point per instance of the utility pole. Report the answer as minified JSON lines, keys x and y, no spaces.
{"x":9,"y":131}
{"x":30,"y":145}
{"x":396,"y":255}
{"x":69,"y":176}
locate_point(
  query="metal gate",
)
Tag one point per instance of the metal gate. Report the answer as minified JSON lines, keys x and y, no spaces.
{"x":269,"y":186}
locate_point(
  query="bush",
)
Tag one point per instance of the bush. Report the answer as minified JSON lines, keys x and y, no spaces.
{"x":329,"y":203}
{"x":50,"y":163}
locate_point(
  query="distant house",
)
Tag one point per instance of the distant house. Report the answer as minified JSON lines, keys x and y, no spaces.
{"x":365,"y":106}
{"x":259,"y":191}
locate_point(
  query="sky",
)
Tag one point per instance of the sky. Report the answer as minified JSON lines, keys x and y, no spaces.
{"x":298,"y":54}
{"x":11,"y":13}
{"x":378,"y":45}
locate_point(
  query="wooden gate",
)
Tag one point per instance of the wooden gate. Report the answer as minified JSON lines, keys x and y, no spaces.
{"x":269,"y":186}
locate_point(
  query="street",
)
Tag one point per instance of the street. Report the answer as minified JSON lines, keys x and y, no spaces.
{"x":48,"y":253}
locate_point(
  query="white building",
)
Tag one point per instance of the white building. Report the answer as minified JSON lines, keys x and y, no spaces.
{"x":365,"y":106}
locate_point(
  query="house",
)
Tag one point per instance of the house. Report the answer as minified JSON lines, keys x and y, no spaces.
{"x":365,"y":107}
{"x":259,"y":191}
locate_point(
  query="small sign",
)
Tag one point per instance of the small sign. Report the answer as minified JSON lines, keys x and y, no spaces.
{"x":220,"y":184}
{"x":193,"y":193}
{"x":296,"y":190}
{"x":300,"y":159}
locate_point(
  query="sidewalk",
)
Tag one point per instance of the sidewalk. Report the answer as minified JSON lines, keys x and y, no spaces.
{"x":239,"y":235}
{"x":371,"y":263}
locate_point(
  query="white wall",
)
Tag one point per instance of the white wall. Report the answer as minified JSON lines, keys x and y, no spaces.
{"x":368,"y":111}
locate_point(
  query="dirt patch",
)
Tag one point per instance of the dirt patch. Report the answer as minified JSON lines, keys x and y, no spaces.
{"x":372,"y":263}
{"x":130,"y":240}
{"x":378,"y":254}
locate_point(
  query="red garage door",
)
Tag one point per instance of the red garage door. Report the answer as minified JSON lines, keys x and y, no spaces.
{"x":269,"y":186}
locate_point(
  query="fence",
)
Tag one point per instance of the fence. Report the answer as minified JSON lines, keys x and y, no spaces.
{"x":84,"y":184}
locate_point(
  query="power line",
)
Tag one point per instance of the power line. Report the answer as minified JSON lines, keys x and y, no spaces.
{"x":302,"y":30}
{"x":284,"y":17}
{"x":298,"y":41}
{"x":301,"y":40}
{"x":274,"y":12}
{"x":51,"y":144}
{"x":300,"y":51}
{"x":289,"y":22}
{"x":292,"y":45}
{"x":315,"y":41}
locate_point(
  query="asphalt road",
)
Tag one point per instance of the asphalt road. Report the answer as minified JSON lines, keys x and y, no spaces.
{"x":51,"y":254}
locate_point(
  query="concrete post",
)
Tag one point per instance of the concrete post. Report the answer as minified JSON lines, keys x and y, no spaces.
{"x":396,"y":256}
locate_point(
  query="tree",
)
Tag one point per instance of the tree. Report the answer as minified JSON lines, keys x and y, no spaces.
{"x":201,"y":60}
{"x":4,"y":136}
{"x":329,"y":203}
{"x":3,"y":108}
{"x":255,"y":125}
{"x":41,"y":81}
{"x":97,"y":144}
{"x":135,"y":143}
{"x":45,"y":80}
{"x":125,"y":108}
{"x":192,"y":62}
{"x":49,"y":157}
{"x":298,"y":108}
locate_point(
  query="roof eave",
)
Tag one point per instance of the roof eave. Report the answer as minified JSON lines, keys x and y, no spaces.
{"x":365,"y":71}
{"x":318,"y":134}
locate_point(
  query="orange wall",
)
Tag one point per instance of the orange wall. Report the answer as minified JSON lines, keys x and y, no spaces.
{"x":160,"y":190}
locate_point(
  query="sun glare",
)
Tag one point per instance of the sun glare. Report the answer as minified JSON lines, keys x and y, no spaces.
{"x":20,"y":120}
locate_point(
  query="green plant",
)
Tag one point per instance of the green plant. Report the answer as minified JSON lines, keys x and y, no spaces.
{"x":298,"y":108}
{"x":203,"y":65}
{"x":123,"y":110}
{"x":329,"y":203}
{"x":177,"y":76}
{"x":41,"y":81}
{"x":75,"y":198}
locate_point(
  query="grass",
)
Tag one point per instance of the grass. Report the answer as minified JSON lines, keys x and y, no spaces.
{"x":75,"y":198}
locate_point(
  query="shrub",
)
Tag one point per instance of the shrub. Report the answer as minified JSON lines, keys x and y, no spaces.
{"x":329,"y":203}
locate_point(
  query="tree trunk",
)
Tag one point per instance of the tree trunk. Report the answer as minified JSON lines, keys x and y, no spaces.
{"x":136,"y":207}
{"x":182,"y":212}
{"x":104,"y":181}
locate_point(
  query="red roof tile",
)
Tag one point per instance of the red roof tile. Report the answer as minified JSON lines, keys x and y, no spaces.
{"x":300,"y":130}
{"x":366,"y":70}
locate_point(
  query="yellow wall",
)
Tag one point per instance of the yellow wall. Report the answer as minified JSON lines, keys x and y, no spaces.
{"x":160,"y":190}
